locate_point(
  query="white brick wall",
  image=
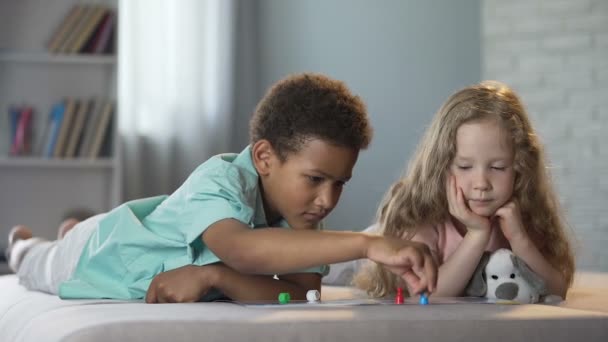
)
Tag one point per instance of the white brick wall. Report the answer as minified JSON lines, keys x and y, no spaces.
{"x":554,"y":53}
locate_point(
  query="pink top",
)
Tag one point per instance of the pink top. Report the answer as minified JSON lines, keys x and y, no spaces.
{"x":443,"y":240}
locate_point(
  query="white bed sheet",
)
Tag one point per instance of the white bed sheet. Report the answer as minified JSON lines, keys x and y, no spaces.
{"x":31,"y":316}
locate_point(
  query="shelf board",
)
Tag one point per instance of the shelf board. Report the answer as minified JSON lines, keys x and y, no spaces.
{"x":56,"y":163}
{"x":45,"y":57}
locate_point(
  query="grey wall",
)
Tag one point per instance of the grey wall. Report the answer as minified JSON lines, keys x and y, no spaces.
{"x":403,"y":57}
{"x":555,"y":54}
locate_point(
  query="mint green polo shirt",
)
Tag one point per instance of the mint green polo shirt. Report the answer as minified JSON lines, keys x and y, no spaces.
{"x":142,"y":238}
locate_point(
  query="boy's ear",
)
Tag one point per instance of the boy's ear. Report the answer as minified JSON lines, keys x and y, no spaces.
{"x":264,"y":156}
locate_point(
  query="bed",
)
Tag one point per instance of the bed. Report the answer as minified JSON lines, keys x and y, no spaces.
{"x":33,"y":316}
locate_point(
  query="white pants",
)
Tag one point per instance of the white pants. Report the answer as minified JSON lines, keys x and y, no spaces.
{"x":47,"y":264}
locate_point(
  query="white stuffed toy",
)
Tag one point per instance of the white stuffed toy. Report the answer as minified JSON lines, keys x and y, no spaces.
{"x":504,"y":276}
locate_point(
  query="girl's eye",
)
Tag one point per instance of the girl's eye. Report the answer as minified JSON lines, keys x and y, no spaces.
{"x":499,"y":168}
{"x":463,"y":167}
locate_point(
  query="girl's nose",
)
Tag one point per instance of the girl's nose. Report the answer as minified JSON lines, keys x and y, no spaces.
{"x":481,"y":181}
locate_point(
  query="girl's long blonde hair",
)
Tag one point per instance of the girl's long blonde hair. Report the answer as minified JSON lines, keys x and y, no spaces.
{"x":419,"y":197}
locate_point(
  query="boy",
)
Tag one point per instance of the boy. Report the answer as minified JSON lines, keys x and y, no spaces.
{"x":198,"y":243}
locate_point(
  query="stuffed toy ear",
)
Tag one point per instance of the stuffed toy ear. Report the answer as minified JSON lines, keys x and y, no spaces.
{"x":477,"y":286}
{"x":536,"y":282}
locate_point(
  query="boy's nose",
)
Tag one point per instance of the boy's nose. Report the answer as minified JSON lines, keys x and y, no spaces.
{"x":327,"y":198}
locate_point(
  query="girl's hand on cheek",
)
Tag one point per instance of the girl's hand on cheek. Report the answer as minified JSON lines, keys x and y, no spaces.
{"x":509,"y":219}
{"x":459,"y":209}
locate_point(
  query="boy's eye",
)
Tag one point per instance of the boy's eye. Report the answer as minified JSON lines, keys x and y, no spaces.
{"x":340,"y":184}
{"x":315,"y":179}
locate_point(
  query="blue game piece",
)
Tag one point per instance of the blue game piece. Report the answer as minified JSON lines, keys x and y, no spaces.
{"x":424,"y":300}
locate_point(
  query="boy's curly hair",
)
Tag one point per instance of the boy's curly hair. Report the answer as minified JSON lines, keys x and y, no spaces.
{"x":308,"y":106}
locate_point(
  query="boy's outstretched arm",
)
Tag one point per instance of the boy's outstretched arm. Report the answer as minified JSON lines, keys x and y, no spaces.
{"x":280,"y":251}
{"x":190,"y":283}
{"x":250,"y":287}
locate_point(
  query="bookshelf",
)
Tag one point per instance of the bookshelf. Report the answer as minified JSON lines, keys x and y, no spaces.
{"x":48,"y":58}
{"x":37,"y":190}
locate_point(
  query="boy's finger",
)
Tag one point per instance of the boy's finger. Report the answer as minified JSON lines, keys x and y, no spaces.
{"x":413,"y":258}
{"x":423,"y":284}
{"x":161,"y":299}
{"x":151,"y":294}
{"x":430,"y":270}
{"x":426,"y":275}
{"x":413,"y":280}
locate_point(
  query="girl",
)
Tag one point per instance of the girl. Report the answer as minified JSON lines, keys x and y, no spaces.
{"x":478,"y":182}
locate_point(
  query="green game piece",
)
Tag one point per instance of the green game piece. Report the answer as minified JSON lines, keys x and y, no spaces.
{"x":284,"y":297}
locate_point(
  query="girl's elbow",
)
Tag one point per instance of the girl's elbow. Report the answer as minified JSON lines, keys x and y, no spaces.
{"x":559,"y":289}
{"x":563,"y":292}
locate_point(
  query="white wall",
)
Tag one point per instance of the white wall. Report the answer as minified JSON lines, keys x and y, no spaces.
{"x":403,"y":57}
{"x":555,"y":54}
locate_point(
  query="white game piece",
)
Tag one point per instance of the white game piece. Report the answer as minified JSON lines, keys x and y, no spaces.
{"x":313,"y":296}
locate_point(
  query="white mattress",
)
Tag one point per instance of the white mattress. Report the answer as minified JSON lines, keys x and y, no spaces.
{"x":32,"y":316}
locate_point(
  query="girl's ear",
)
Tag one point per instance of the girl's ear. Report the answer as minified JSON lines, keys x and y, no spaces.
{"x":263,"y":156}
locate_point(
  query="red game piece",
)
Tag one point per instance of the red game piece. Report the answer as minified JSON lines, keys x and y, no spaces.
{"x":399,"y":297}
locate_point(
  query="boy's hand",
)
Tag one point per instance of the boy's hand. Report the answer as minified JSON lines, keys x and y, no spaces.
{"x":181,"y":285}
{"x":509,"y":219}
{"x":461,"y":211}
{"x":412,"y":261}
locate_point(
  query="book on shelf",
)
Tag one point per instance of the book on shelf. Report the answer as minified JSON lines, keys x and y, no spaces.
{"x":89,"y":128}
{"x":100,"y":41}
{"x":75,"y":30}
{"x":77,"y":128}
{"x":13,"y":119}
{"x":86,"y":28}
{"x":102,"y":130}
{"x":91,"y":133}
{"x":64,"y":29}
{"x":66,"y":126}
{"x":21,"y":130}
{"x":54,"y":126}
